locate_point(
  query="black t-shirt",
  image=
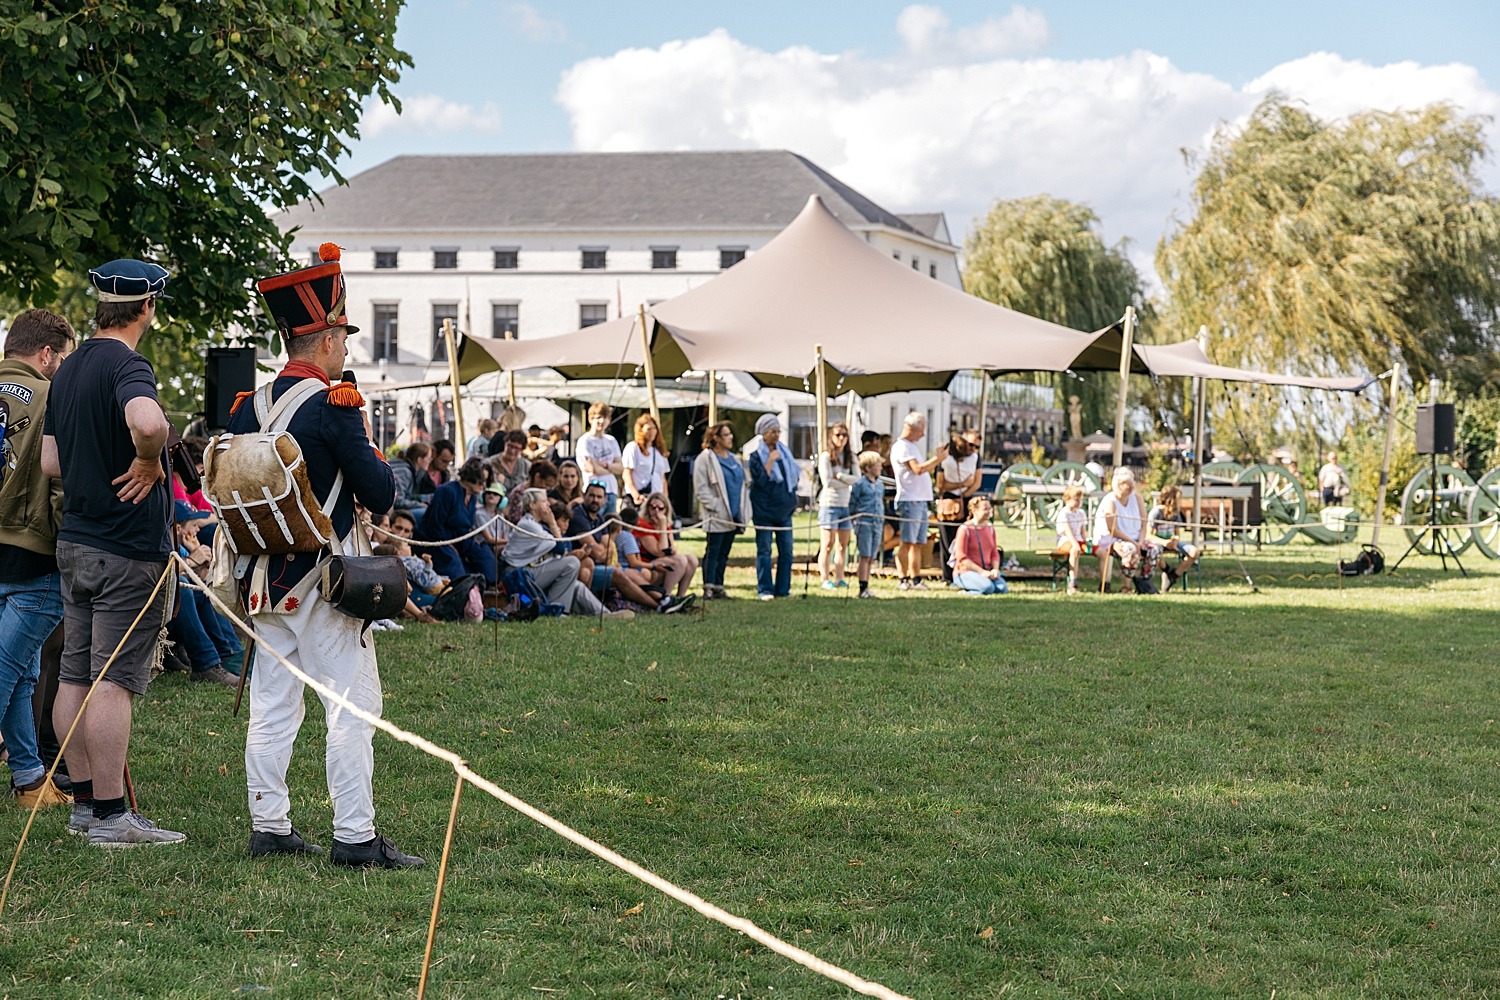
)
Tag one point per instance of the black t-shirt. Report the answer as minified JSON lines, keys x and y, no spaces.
{"x":17,"y":564}
{"x":86,"y":414}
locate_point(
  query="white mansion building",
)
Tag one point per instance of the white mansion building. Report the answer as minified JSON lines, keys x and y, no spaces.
{"x":535,"y":245}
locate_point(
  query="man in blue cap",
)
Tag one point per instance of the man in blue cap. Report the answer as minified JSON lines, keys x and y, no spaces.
{"x":280,"y":591}
{"x":105,"y":438}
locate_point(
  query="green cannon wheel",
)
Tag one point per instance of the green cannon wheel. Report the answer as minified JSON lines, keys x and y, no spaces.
{"x":1444,"y":505}
{"x":1066,"y":474}
{"x":1224,"y":470}
{"x":1484,"y":514}
{"x":1283,"y":501}
{"x":1010,"y":502}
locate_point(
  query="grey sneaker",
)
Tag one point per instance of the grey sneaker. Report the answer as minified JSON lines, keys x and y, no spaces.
{"x":216,"y":675}
{"x":82,"y":819}
{"x":131,"y":830}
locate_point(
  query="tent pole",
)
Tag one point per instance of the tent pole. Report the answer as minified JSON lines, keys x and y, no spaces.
{"x":1199,"y":396}
{"x":984,"y":402}
{"x":1125,"y":357}
{"x":511,"y":377}
{"x":713,"y":397}
{"x":820,"y":386}
{"x":1392,"y":395}
{"x":849,"y":414}
{"x":458,"y":408}
{"x":650,"y":365}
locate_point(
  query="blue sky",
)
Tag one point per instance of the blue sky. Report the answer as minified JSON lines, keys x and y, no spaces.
{"x":939,"y":106}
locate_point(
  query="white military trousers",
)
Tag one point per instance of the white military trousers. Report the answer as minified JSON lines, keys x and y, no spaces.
{"x":324,"y":644}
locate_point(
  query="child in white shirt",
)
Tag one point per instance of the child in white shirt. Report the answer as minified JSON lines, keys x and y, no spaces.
{"x":1072,"y":532}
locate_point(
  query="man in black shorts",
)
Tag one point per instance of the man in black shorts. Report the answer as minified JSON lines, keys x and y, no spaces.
{"x":105,"y":439}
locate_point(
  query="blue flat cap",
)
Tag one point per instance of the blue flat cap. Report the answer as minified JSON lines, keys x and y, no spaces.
{"x":129,"y":280}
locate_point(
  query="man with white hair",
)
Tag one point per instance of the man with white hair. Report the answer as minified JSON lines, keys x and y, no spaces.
{"x":913,"y":494}
{"x":774,"y":474}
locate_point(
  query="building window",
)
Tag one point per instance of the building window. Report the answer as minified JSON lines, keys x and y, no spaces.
{"x":507,"y":258}
{"x":916,"y":265}
{"x":445,"y":259}
{"x":385,"y":260}
{"x":932,"y":270}
{"x":313,"y":258}
{"x":663,"y":258}
{"x":592,"y":313}
{"x":896,"y":254}
{"x":507,"y":320}
{"x":383,"y":334}
{"x":730,"y":256}
{"x":440,"y":312}
{"x":593,"y":258}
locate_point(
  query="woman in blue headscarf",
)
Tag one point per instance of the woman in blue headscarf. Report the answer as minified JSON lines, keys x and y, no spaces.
{"x":774,"y":474}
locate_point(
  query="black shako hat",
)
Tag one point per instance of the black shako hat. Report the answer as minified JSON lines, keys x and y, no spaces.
{"x":309,"y":300}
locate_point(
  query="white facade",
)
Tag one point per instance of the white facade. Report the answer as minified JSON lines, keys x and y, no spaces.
{"x":534,"y":277}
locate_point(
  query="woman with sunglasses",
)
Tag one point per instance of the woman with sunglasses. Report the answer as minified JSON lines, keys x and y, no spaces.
{"x":646,"y":462}
{"x":655,"y":534}
{"x":837,"y":472}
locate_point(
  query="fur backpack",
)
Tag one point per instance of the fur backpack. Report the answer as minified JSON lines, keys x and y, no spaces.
{"x":258,"y":485}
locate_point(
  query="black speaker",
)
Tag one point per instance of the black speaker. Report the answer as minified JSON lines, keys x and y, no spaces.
{"x":230,"y":370}
{"x":1435,"y":429}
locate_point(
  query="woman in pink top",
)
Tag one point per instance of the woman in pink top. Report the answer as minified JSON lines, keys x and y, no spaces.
{"x":976,"y":556}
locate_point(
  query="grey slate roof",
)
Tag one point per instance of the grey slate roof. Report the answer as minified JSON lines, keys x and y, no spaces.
{"x":733,"y":188}
{"x":930,"y":224}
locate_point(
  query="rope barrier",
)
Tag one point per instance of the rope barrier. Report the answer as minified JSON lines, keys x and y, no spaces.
{"x":689,"y":899}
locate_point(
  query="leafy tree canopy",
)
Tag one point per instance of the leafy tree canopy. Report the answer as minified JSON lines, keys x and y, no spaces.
{"x":1044,"y":256}
{"x":167,"y":130}
{"x":1327,"y":247}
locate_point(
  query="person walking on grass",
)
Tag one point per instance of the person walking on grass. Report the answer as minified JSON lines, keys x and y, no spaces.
{"x":913,"y":494}
{"x":106,"y":439}
{"x":31,"y":603}
{"x":867,"y":513}
{"x":723,"y":501}
{"x":774,"y":475}
{"x":837,"y":473}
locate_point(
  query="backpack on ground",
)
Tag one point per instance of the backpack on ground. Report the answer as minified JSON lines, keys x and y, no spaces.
{"x":1369,"y":562}
{"x":452,"y":605}
{"x":527,"y":599}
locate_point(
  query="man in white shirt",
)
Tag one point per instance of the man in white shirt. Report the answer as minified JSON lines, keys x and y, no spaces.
{"x":913,"y":494}
{"x":1333,"y":482}
{"x":599,"y":456}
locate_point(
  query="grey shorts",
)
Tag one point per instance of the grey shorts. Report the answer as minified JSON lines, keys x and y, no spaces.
{"x":102,"y":593}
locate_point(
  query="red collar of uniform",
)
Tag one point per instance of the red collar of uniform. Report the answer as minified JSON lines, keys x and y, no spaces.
{"x":304,"y":369}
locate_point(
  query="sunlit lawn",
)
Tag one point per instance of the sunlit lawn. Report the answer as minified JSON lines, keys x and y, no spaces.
{"x":1216,"y":794}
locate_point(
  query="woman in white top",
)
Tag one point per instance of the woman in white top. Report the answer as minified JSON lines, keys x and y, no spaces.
{"x":1120,"y":529}
{"x":646,"y":463}
{"x":957,"y":480}
{"x":837,"y":472}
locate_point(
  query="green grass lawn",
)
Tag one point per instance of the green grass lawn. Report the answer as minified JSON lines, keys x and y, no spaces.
{"x":1217,"y":794}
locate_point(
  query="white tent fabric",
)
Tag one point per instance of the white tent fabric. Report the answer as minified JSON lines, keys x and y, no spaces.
{"x":1186,"y":359}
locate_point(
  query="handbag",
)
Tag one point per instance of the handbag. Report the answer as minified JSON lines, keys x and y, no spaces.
{"x":364,"y":587}
{"x":950,"y":508}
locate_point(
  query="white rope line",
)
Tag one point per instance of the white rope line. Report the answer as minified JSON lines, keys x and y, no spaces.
{"x":517,"y":528}
{"x":695,"y":902}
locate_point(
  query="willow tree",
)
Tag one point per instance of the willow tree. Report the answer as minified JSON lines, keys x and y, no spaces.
{"x":1323,"y":247}
{"x":1045,"y":257}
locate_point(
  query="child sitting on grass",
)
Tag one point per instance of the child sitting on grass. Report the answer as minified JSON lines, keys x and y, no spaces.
{"x":867,"y":513}
{"x":1073,"y":532}
{"x":422,"y":581}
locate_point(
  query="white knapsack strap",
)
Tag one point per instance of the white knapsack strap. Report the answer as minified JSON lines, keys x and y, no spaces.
{"x":277,"y":417}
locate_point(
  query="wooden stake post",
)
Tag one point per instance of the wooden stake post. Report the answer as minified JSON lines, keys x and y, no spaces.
{"x":1125,"y":358}
{"x":458,"y":406}
{"x":650,"y":366}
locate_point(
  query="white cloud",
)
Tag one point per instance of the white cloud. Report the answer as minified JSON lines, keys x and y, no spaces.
{"x":428,"y":113}
{"x":536,"y":26}
{"x":926,"y":130}
{"x":926,"y":32}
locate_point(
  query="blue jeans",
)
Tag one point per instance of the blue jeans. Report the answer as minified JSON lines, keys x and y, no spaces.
{"x":980,"y":583}
{"x":206,"y":636}
{"x":716,"y":557}
{"x":782,"y":586}
{"x":468,"y":556}
{"x":29,"y":611}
